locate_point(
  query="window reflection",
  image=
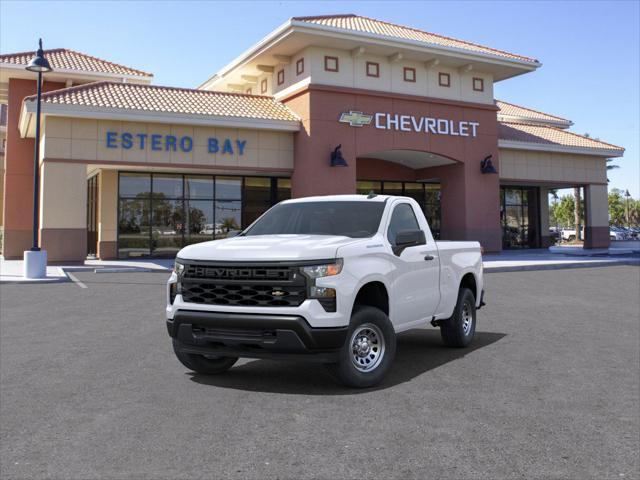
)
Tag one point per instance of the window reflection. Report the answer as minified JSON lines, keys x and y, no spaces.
{"x":158,"y":214}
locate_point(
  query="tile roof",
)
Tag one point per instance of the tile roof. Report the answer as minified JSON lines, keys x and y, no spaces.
{"x":153,"y":98}
{"x":65,"y":59}
{"x":512,"y":110}
{"x":369,"y":25}
{"x":545,"y":135}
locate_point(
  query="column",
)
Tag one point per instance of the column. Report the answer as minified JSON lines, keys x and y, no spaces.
{"x":107,"y":215}
{"x":596,"y":204}
{"x":63,"y":211}
{"x":543,"y":211}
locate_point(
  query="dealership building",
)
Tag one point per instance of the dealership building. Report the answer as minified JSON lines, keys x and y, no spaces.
{"x":322,"y":105}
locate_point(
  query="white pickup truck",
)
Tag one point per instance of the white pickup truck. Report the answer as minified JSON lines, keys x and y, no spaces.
{"x":331,"y":279}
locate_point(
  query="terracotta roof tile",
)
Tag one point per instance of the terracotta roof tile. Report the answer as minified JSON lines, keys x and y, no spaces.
{"x":65,"y":59}
{"x":512,"y":110}
{"x":153,"y":98}
{"x":369,"y":25}
{"x":546,"y":135}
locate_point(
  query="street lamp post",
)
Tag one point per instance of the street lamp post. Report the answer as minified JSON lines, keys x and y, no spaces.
{"x":627,"y":195}
{"x":35,"y":260}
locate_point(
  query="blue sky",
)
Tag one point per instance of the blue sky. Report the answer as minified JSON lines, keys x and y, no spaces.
{"x":589,"y":50}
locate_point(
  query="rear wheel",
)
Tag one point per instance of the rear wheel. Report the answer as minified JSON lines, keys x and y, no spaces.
{"x":458,"y":331}
{"x":369,"y":350}
{"x":202,"y":364}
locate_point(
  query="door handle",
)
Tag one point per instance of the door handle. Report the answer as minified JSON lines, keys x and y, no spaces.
{"x":429,"y":257}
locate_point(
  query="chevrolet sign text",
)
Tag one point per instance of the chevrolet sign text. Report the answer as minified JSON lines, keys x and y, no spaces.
{"x":438,"y":126}
{"x":410,"y":123}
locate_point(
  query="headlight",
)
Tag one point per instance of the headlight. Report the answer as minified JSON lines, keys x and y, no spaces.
{"x":326,"y":270}
{"x":178,"y":268}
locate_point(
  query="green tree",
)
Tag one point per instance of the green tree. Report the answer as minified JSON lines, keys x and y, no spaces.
{"x":617,"y":211}
{"x":562,"y":211}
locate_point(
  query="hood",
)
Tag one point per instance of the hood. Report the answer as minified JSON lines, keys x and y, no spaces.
{"x":265,"y":248}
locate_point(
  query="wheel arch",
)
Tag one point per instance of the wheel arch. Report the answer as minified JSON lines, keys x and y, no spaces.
{"x":373,"y":293}
{"x":469,"y":281}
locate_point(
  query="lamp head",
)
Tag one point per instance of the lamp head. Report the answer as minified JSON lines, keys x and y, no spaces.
{"x":486,"y":166}
{"x":39,"y":63}
{"x":337,"y":160}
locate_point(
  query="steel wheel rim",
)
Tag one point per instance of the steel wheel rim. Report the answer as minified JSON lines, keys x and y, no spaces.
{"x":467,"y":318}
{"x":366,"y":347}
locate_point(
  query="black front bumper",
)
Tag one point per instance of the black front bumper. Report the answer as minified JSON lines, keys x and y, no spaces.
{"x":254,"y":335}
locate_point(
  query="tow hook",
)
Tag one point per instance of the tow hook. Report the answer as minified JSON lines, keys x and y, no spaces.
{"x":435,"y":323}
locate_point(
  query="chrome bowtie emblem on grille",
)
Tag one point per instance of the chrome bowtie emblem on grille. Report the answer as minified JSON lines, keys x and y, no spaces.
{"x":355,"y":119}
{"x":278,"y":293}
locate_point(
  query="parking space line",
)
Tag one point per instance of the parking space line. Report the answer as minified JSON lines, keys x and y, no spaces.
{"x":75,"y":280}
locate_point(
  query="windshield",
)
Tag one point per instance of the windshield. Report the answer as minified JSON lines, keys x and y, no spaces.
{"x":356,"y":219}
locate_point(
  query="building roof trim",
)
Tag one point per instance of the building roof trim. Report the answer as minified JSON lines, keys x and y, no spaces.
{"x":520,"y":114}
{"x":294,"y":24}
{"x":548,"y":138}
{"x":118,"y":101}
{"x":21,"y":59}
{"x":490,"y":50}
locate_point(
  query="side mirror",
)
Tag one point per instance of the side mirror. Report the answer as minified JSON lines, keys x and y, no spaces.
{"x":408,"y":238}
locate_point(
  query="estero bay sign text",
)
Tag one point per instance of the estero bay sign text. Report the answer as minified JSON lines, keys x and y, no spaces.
{"x":171,"y":143}
{"x":411,"y":123}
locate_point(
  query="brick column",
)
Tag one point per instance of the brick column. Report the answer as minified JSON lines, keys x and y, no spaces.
{"x":18,"y":178}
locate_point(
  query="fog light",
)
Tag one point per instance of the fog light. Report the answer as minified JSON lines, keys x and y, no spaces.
{"x":322,"y":292}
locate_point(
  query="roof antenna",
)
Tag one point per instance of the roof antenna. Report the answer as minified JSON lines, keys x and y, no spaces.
{"x":372,"y":194}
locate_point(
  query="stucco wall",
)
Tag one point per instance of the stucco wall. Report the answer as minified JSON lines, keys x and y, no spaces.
{"x":525,"y":165}
{"x":80,"y":139}
{"x":352,"y":73}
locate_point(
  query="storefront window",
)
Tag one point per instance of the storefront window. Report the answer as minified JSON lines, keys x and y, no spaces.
{"x":198,"y":187}
{"x":228,"y":188}
{"x":133,"y":227}
{"x":135,"y":185}
{"x":283,"y":189}
{"x":364,"y":188}
{"x":158,"y":214}
{"x":257,"y":198}
{"x":392,"y":188}
{"x":519,"y":217}
{"x":426,"y":194}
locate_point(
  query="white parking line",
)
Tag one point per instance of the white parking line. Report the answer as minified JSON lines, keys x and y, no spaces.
{"x":75,"y":280}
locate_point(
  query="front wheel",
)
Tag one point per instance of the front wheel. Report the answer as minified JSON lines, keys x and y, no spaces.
{"x":369,"y":350}
{"x":202,"y":364}
{"x":458,"y":331}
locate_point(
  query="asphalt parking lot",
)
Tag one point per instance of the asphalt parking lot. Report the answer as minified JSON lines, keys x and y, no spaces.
{"x":90,"y":389}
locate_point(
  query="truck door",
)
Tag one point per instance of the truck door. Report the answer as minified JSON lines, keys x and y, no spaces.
{"x":416,"y":284}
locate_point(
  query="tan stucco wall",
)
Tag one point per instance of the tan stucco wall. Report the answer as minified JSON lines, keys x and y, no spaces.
{"x":352,"y":74}
{"x":597,"y":205}
{"x":107,"y":206}
{"x":525,"y":165}
{"x":63,"y":198}
{"x":80,"y":139}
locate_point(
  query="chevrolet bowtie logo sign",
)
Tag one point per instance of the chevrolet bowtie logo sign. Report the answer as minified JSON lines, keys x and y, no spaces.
{"x":356,"y":119}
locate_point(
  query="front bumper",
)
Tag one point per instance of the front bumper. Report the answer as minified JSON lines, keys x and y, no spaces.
{"x":254,"y":336}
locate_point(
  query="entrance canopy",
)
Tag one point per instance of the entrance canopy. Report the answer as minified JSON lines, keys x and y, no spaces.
{"x":411,"y":158}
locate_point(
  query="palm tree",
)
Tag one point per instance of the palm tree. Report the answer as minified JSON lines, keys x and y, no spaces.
{"x":611,"y":167}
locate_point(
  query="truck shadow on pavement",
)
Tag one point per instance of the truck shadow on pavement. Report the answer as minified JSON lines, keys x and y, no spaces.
{"x":418,"y":352}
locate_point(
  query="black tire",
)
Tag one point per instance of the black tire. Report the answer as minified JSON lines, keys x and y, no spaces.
{"x":454,"y":331}
{"x":367,"y":324}
{"x":202,"y":364}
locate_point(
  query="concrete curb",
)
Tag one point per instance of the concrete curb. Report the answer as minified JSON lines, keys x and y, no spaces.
{"x":560,"y":266}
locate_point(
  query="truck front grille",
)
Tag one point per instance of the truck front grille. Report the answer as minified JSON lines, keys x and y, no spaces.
{"x":242,"y":285}
{"x":244,"y":294}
